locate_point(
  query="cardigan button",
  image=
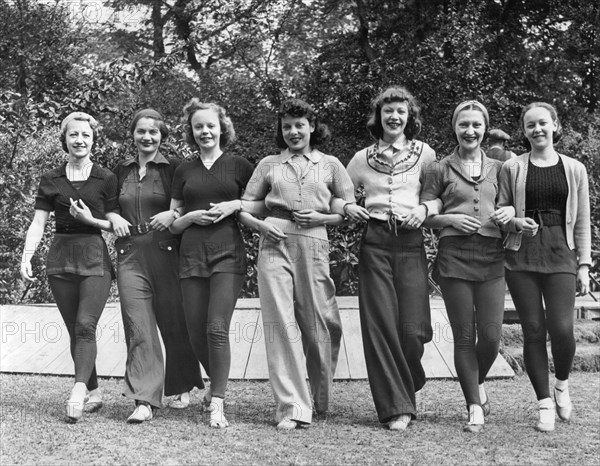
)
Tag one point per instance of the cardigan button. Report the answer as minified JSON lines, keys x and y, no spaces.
{"x":169,"y":248}
{"x":122,"y":251}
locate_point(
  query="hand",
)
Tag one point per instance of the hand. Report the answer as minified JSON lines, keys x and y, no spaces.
{"x":26,"y":272}
{"x":527,"y":226}
{"x":81,"y":212}
{"x":465,"y":223}
{"x":271,"y":232}
{"x":415,"y":218}
{"x":307,"y":218}
{"x":224,"y":209}
{"x":583,"y":279}
{"x":503,"y":215}
{"x":356,"y":213}
{"x":162,"y":220}
{"x":120,"y":226}
{"x":201,"y":217}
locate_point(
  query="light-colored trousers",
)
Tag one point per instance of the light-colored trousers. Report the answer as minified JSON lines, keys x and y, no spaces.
{"x":300,"y":315}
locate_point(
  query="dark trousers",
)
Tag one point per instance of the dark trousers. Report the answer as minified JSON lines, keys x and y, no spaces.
{"x":150,"y":296}
{"x":530,"y":291}
{"x":209,"y":303}
{"x":476,"y":311}
{"x":395,"y":316}
{"x":80,"y":301}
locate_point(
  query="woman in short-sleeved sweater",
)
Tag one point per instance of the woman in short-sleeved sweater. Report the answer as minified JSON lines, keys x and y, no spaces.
{"x":78,"y":266}
{"x":212,"y":255}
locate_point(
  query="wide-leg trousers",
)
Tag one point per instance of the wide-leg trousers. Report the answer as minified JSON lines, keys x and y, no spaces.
{"x":150,"y":296}
{"x":395,"y":316}
{"x":300,"y":315}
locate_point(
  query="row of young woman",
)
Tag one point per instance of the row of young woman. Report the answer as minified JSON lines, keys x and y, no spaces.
{"x":537,"y":202}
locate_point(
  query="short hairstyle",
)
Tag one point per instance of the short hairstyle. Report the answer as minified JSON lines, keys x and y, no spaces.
{"x":297,"y":108}
{"x":395,"y":94}
{"x":150,"y":113}
{"x":556,"y":135}
{"x":194,"y":105}
{"x":78,"y":116}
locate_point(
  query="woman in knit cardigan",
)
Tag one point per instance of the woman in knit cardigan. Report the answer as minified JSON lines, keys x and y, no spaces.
{"x":548,"y":252}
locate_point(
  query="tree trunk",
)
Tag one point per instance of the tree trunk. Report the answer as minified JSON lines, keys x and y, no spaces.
{"x":158,"y":44}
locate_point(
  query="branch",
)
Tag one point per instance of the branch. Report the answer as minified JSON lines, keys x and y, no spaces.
{"x":363,"y":32}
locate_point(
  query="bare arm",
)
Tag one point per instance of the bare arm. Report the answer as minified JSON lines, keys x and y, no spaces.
{"x":32,"y":240}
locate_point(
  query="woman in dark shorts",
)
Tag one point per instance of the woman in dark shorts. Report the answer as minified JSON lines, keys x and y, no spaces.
{"x":148,"y":267}
{"x":212,"y":261}
{"x":548,"y":252}
{"x":79,"y":271}
{"x":470,"y":253}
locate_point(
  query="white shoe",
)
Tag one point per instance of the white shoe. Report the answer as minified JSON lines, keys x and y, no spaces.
{"x":564,"y":407}
{"x":180,"y":401}
{"x":141,"y":414}
{"x":287,"y":424}
{"x":400,"y":422}
{"x":547,"y":419}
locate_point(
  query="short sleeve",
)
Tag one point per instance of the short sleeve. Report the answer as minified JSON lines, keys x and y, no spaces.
{"x":44,"y":200}
{"x":177,"y":185}
{"x":258,"y":184}
{"x":111,"y":200}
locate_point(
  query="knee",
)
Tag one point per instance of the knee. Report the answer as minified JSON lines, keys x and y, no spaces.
{"x":85,"y":330}
{"x":534,"y":333}
{"x":217,"y":333}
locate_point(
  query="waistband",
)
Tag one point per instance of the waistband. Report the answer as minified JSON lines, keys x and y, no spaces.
{"x":280,"y":212}
{"x":546,"y":217}
{"x":392,"y":222}
{"x":77,"y":230}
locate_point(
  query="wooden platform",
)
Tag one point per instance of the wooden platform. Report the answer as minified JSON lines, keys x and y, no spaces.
{"x":34,"y":340}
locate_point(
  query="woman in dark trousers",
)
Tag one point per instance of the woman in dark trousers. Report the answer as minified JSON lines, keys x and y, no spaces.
{"x":548,"y":253}
{"x":148,"y":265}
{"x":212,"y":255}
{"x":79,"y":271}
{"x":393,"y":291}
{"x":470,"y":253}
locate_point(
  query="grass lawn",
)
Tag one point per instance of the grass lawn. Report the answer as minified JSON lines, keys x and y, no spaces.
{"x":33,"y":432}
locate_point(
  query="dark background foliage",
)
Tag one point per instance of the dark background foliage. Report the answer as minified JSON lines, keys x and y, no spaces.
{"x":114,"y":57}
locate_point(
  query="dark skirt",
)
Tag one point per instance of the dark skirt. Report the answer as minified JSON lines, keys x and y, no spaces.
{"x":473,"y":257}
{"x":546,"y":252}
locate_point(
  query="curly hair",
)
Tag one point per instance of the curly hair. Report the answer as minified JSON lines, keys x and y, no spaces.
{"x":153,"y":114}
{"x":194,"y":105}
{"x":556,"y":135}
{"x":78,"y":116}
{"x":395,"y":94}
{"x":297,"y":108}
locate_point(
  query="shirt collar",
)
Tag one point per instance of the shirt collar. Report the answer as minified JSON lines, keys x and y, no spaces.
{"x":158,"y":159}
{"x":313,"y":156}
{"x":94,"y":172}
{"x":382,"y":145}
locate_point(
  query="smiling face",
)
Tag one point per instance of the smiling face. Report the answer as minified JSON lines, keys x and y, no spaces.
{"x":296,"y":133}
{"x":470,"y":129}
{"x":206,"y":129}
{"x":147,"y":136}
{"x":79,"y":139}
{"x":394,"y":117}
{"x":539,"y":128}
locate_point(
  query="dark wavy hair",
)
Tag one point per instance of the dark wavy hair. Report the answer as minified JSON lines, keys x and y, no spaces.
{"x":395,"y":94}
{"x":299,"y":109}
{"x":155,"y":115}
{"x":227,"y":130}
{"x":556,"y":135}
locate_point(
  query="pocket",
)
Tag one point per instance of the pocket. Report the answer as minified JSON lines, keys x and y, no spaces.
{"x":123,"y":249}
{"x":158,"y":188}
{"x":169,"y":245}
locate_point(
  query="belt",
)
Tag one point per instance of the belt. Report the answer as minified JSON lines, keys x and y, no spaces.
{"x":546,"y":217}
{"x":279,"y":212}
{"x":392,"y":221}
{"x":140,"y":229}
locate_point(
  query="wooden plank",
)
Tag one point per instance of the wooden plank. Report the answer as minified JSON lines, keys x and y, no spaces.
{"x":242,"y":335}
{"x":355,"y":354}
